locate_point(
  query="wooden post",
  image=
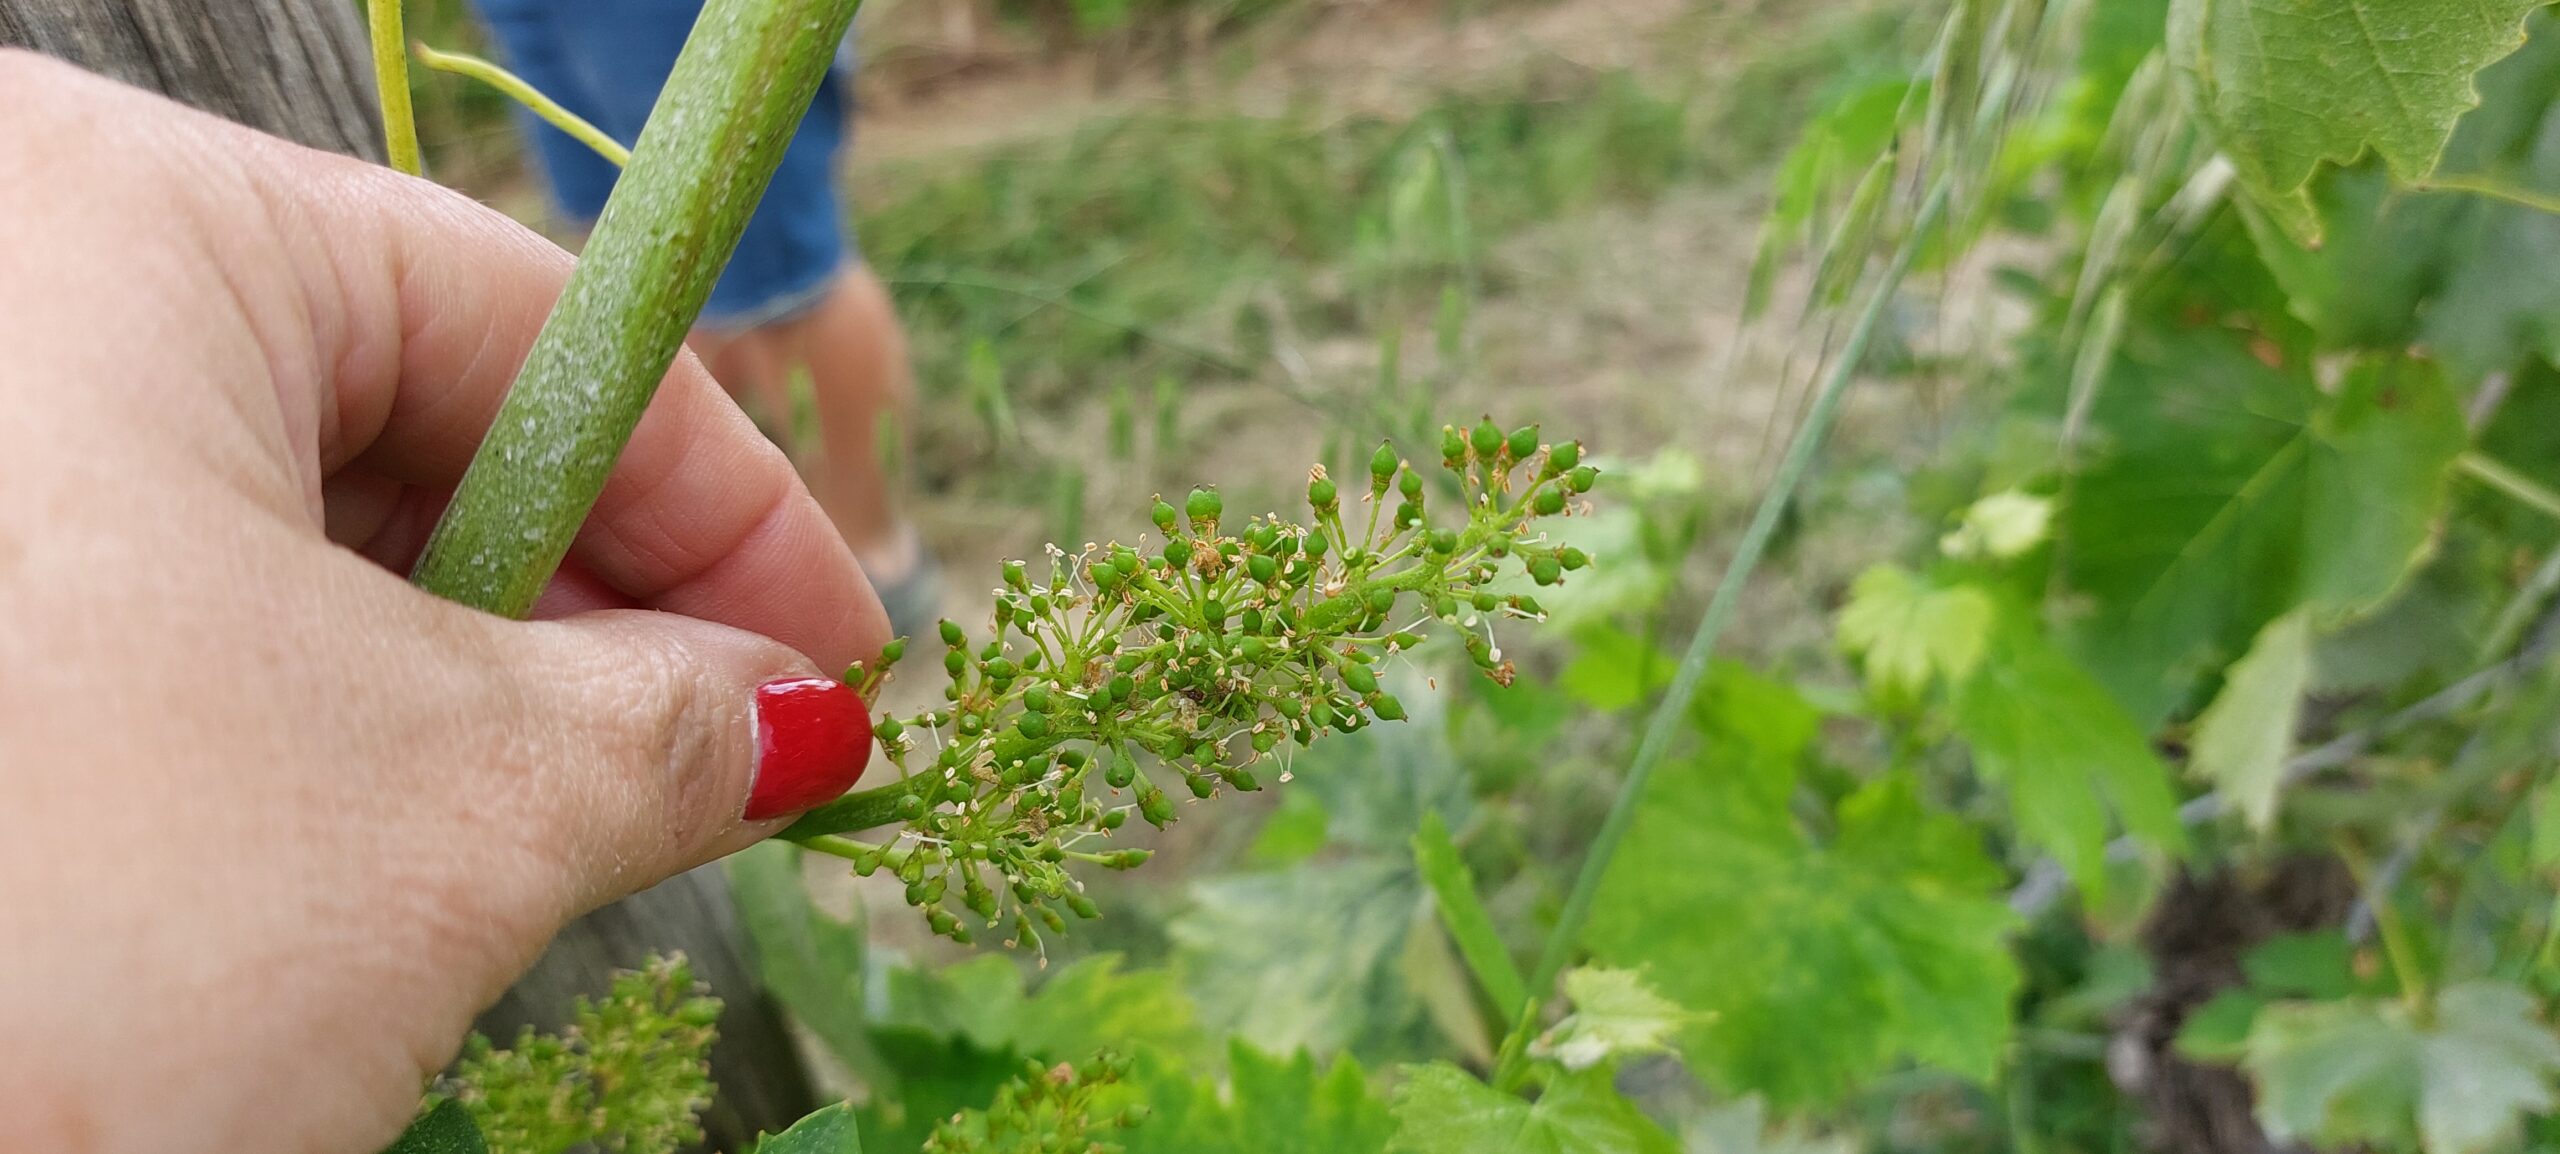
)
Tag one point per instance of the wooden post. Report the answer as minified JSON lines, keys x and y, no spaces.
{"x":299,"y":69}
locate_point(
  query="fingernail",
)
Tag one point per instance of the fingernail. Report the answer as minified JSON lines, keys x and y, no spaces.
{"x":813,"y":738}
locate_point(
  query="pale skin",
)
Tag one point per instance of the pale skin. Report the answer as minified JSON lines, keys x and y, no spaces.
{"x":277,"y":824}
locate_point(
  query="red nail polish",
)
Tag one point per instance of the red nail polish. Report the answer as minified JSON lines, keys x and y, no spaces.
{"x":813,"y":738}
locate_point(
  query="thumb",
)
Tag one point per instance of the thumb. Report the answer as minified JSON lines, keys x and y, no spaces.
{"x":673,"y":741}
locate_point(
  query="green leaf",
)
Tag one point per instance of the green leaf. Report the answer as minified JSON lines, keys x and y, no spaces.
{"x":1271,"y":1106}
{"x":1089,"y":1004}
{"x":813,"y":963}
{"x":1441,"y":1109}
{"x":2000,"y":526}
{"x":2231,"y":493}
{"x":2456,"y":1081}
{"x":829,"y":1131}
{"x":1615,"y":1015}
{"x":1245,"y":946}
{"x":2286,"y":85}
{"x":2218,"y":1031}
{"x":445,"y":1128}
{"x":1908,"y":633}
{"x":2244,"y":737}
{"x":2044,"y":730}
{"x":1613,"y":669}
{"x":1822,"y":963}
{"x":2311,"y":965}
{"x":1462,"y":914}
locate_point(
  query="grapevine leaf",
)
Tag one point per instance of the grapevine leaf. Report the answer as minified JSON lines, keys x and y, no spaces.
{"x":1090,"y":1003}
{"x":2243,"y":738}
{"x":2286,"y":85}
{"x":1909,"y":633}
{"x":1245,"y":944}
{"x":445,"y":1128}
{"x":1441,"y":1109}
{"x":1822,"y":964}
{"x":1272,"y":1106}
{"x":1453,"y":889}
{"x":1613,"y":669}
{"x":2047,"y":732}
{"x":1743,"y":1126}
{"x":2233,"y":492}
{"x":2003,"y":525}
{"x":2361,"y":1071}
{"x":1615,"y":1014}
{"x":829,"y":1131}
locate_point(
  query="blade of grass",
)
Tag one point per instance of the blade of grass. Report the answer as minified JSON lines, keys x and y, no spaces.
{"x":1462,"y":913}
{"x":737,"y":93}
{"x":1665,"y":722}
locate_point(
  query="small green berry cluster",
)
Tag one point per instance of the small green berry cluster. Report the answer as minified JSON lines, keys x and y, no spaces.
{"x":1044,"y":1110}
{"x":1206,"y":654}
{"x":632,"y":1073}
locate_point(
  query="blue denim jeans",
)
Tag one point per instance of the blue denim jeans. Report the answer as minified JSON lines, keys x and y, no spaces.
{"x":605,"y":60}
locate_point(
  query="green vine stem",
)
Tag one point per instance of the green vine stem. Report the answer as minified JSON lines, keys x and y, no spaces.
{"x":1668,"y":714}
{"x":391,"y":82}
{"x":745,"y":76}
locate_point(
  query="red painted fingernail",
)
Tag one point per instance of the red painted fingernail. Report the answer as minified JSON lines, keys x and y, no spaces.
{"x":813,"y":738}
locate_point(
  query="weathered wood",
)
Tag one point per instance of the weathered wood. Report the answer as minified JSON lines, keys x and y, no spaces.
{"x":295,"y":68}
{"x":300,"y":69}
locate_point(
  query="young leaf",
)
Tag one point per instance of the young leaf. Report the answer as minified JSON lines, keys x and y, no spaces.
{"x":2359,"y":1071}
{"x":1615,"y":1014}
{"x":2045,"y":731}
{"x":1822,"y":963}
{"x":2243,"y":738}
{"x":829,"y":1131}
{"x":445,"y":1128}
{"x":2288,"y":84}
{"x":1441,"y":1109}
{"x":1273,"y":1106}
{"x":1246,"y":940}
{"x":1090,"y":1003}
{"x":1462,"y":914}
{"x":1909,"y":633}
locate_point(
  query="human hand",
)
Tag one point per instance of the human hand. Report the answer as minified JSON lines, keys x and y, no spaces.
{"x":278,"y":824}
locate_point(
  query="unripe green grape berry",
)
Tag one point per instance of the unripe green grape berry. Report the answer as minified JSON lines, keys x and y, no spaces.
{"x":1582,"y":478}
{"x":1177,"y":553}
{"x":1014,"y":576}
{"x":1203,"y":787}
{"x":1321,"y":494}
{"x":1214,"y":612}
{"x":910,"y":807}
{"x":1317,"y":543}
{"x":956,"y":662}
{"x":1106,"y":578}
{"x":1204,"y":506}
{"x":1381,"y":599}
{"x":1572,"y":558}
{"x":1564,"y":457}
{"x":1408,"y":515}
{"x":1403,"y":641}
{"x":890,"y":653}
{"x":1254,"y":650}
{"x":1387,"y":707}
{"x":1359,"y":678}
{"x":1528,"y":606}
{"x":1382,"y":467}
{"x":951,"y":634}
{"x":1125,"y":559}
{"x":1446,"y":608}
{"x":1036,"y":699}
{"x":1524,"y":442}
{"x":1547,"y":503}
{"x":887,"y":729}
{"x":1410,"y":484}
{"x":1082,"y":905}
{"x":1164,"y":516}
{"x":1453,"y":446}
{"x":1122,"y":685}
{"x":1290,"y":707}
{"x":1485,"y":602}
{"x":1443,"y":542}
{"x":1120,"y":772}
{"x":1485,"y":439}
{"x":1251,"y":621}
{"x":1263,"y":740}
{"x":1243,"y":779}
{"x":1262,"y":568}
{"x":1001,"y":669}
{"x":1545,"y":570}
{"x":1114,"y":819}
